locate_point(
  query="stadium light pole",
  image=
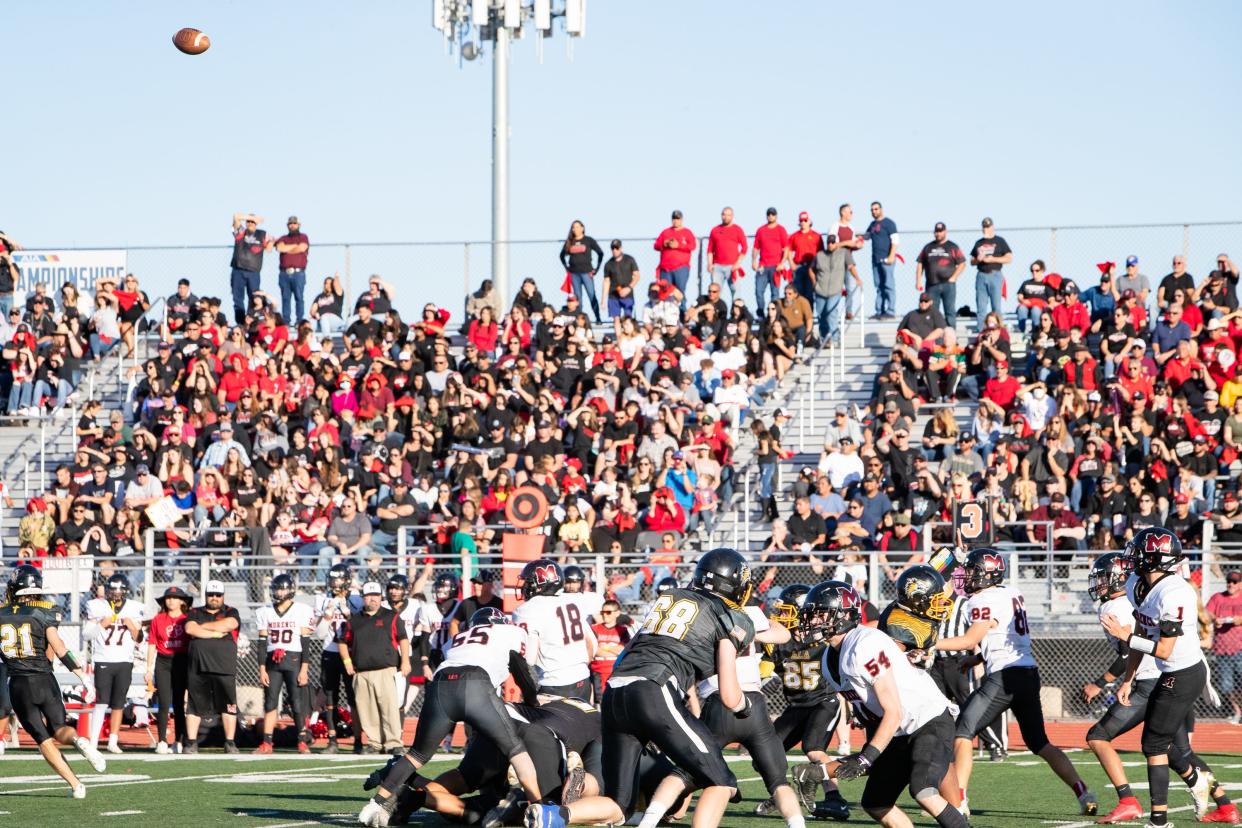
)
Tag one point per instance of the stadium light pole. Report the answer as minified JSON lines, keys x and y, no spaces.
{"x":466,"y":25}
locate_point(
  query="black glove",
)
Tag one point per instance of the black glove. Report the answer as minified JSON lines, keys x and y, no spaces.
{"x":746,"y":709}
{"x":857,"y":765}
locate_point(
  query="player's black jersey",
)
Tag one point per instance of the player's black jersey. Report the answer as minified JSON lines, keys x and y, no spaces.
{"x":799,"y":669}
{"x":679,"y":637}
{"x":23,"y":636}
{"x":575,"y":723}
{"x":908,"y":629}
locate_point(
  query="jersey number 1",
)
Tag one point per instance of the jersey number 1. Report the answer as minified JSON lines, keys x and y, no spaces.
{"x":16,"y":642}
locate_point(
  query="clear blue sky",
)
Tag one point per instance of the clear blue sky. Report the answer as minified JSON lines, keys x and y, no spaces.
{"x":352,"y":115}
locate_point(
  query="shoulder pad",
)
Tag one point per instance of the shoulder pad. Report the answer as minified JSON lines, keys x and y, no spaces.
{"x":908,"y":629}
{"x":742,"y":629}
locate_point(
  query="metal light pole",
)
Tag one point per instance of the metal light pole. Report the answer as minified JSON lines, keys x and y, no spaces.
{"x":466,"y":25}
{"x":500,"y":164}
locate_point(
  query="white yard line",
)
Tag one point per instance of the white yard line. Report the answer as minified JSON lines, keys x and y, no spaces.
{"x":195,"y":778}
{"x":121,"y":813}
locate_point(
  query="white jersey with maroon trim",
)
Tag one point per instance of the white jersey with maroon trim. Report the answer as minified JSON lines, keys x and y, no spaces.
{"x":433,"y":622}
{"x":559,"y":630}
{"x":1124,"y":611}
{"x":331,"y":613}
{"x":112,"y":642}
{"x":1170,"y":601}
{"x":866,"y":654}
{"x":1007,"y":642}
{"x":284,"y":631}
{"x":408,"y":615}
{"x":589,"y":604}
{"x":748,"y":675}
{"x":487,"y":646}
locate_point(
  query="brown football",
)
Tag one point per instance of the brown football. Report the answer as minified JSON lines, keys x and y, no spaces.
{"x":191,"y":41}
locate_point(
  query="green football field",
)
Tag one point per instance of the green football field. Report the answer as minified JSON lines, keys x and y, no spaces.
{"x":286,"y":791}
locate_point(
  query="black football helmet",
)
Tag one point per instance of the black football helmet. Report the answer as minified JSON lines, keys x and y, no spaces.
{"x":723,"y":572}
{"x":25,"y":581}
{"x":339,"y":578}
{"x":398,"y":584}
{"x":488,"y":615}
{"x":116,"y":588}
{"x":575,"y":577}
{"x":665,"y":584}
{"x":1108,"y":576}
{"x":445,"y":587}
{"x":985,"y":567}
{"x":829,"y":609}
{"x":282,"y":588}
{"x":920,"y":589}
{"x":788,"y":604}
{"x":541,"y":577}
{"x":1154,"y":549}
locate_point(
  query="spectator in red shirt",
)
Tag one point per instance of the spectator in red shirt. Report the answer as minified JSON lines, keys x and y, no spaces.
{"x":1071,"y":313}
{"x":675,"y":244}
{"x":803,"y":245}
{"x":665,"y":514}
{"x":1068,"y":533}
{"x":484,"y":331}
{"x":771,"y":242}
{"x":611,"y":638}
{"x":726,"y":245}
{"x":1225,"y":610}
{"x":1002,"y":389}
{"x":168,"y":664}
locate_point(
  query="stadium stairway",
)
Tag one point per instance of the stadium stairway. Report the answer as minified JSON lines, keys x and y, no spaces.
{"x":23,"y":474}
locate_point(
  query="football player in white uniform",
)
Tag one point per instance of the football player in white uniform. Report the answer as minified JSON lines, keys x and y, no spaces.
{"x":332,"y":610}
{"x":286,"y":627}
{"x":908,"y":722}
{"x":431,"y":622}
{"x":113,"y":626}
{"x":465,"y":689}
{"x":400,"y":601}
{"x":999,"y":627}
{"x":561,"y":641}
{"x":577,"y":588}
{"x":1166,"y":629}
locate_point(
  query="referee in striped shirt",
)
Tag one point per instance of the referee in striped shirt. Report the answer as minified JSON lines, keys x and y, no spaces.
{"x":957,"y":684}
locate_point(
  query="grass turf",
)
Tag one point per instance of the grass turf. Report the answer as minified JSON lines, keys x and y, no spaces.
{"x":289,"y":791}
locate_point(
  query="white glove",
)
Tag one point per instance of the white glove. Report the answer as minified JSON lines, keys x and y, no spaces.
{"x":88,"y":693}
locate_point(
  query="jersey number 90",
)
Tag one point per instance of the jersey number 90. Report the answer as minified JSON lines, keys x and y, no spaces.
{"x":671,"y":618}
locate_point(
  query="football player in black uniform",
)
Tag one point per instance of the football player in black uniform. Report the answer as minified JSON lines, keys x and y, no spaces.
{"x":811,"y":711}
{"x":28,"y":631}
{"x":688,"y":635}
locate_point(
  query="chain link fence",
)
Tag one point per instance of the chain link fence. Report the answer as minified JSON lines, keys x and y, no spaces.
{"x":446,"y":272}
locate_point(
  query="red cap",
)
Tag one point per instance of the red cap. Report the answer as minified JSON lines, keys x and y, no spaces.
{"x":1001,"y":363}
{"x":804,"y":216}
{"x":1181,"y":497}
{"x":727,"y":373}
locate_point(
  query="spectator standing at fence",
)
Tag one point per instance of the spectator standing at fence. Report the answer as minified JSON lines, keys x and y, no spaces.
{"x":620,"y":278}
{"x":769,"y":252}
{"x":374,"y":649}
{"x":726,"y":245}
{"x":9,"y":273}
{"x":803,"y":244}
{"x":293,"y":248}
{"x":833,"y":263}
{"x":943,"y":262}
{"x":168,"y":667}
{"x":847,"y":238}
{"x":576,"y":258}
{"x":882,"y":233}
{"x":249,"y":242}
{"x":989,"y":255}
{"x":1225,"y":610}
{"x":675,"y":244}
{"x":212,"y":686}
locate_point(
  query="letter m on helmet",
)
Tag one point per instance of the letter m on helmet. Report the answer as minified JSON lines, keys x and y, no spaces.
{"x":1160,"y":543}
{"x":545,"y":574}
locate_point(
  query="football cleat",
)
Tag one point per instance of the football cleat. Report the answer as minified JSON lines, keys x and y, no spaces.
{"x":163,"y":748}
{"x":91,"y":754}
{"x":996,"y":753}
{"x":331,"y":747}
{"x":508,"y":804}
{"x":1201,"y":793}
{"x":1227,"y":814}
{"x":832,"y":807}
{"x":377,"y":776}
{"x":78,"y":791}
{"x":767,"y":806}
{"x":575,"y":781}
{"x":303,"y":747}
{"x":542,"y":816}
{"x":1087,"y":804}
{"x":964,"y":808}
{"x":264,"y":749}
{"x":1127,"y":809}
{"x":807,"y":779}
